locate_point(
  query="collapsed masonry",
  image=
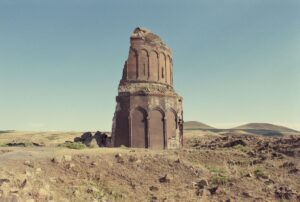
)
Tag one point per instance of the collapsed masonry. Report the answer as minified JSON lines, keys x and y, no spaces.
{"x":149,"y":111}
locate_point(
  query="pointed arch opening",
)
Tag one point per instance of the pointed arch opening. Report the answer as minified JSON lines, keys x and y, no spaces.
{"x":156,"y":129}
{"x":139,"y":138}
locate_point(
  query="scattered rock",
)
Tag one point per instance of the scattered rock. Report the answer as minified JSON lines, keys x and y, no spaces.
{"x":166,"y":179}
{"x":246,"y":194}
{"x":287,"y":165}
{"x":86,"y":138}
{"x":98,"y":140}
{"x":248,"y":175}
{"x":263,"y":146}
{"x":277,"y":155}
{"x":269,"y":182}
{"x":2,"y":151}
{"x":153,"y":188}
{"x":234,"y":143}
{"x":284,"y":193}
{"x":25,"y":144}
{"x":203,"y":192}
{"x":93,"y":164}
{"x":101,"y":138}
{"x":70,"y":165}
{"x":28,"y":173}
{"x":263,"y":157}
{"x":2,"y":181}
{"x":76,"y":193}
{"x":28,"y":163}
{"x":43,"y":193}
{"x":154,"y":199}
{"x":118,"y":155}
{"x":134,"y":159}
{"x":91,"y":190}
{"x":13,"y":197}
{"x":77,"y":139}
{"x":60,"y":179}
{"x":53,"y":180}
{"x":67,"y":158}
{"x":251,"y":154}
{"x":213,"y":190}
{"x":23,"y":184}
{"x":294,"y":170}
{"x":201,"y":184}
{"x":14,"y":190}
{"x":57,"y":159}
{"x":119,"y":158}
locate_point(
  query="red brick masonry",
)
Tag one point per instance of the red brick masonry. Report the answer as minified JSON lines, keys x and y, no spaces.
{"x":149,"y":112}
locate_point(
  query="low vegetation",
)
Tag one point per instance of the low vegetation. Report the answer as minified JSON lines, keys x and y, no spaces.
{"x":18,"y":144}
{"x":208,"y":168}
{"x":259,"y":173}
{"x":219,"y":176}
{"x":241,"y":148}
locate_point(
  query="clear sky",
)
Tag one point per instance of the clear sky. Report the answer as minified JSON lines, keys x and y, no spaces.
{"x":234,"y":61}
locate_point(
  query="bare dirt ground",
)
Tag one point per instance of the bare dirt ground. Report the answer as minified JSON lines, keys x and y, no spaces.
{"x":210,"y":167}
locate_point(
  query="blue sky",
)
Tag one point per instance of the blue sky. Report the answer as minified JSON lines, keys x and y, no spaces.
{"x":234,"y":61}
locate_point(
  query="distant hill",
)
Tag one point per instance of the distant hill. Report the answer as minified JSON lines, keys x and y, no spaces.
{"x":195,"y":125}
{"x":6,"y":131}
{"x":265,"y":126}
{"x":263,"y":129}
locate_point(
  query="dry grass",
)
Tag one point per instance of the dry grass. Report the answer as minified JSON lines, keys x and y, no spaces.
{"x":127,"y":174}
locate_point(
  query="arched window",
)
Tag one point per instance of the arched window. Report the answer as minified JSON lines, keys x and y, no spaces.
{"x":162,"y":72}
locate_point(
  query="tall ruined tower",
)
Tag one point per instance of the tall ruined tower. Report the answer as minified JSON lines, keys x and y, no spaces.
{"x":149,"y":112}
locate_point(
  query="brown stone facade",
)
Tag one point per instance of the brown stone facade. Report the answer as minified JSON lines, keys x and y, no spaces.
{"x":149,"y":112}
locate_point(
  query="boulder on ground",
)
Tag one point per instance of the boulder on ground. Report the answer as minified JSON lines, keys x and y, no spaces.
{"x":234,"y":143}
{"x":101,"y":139}
{"x":98,"y":140}
{"x":166,"y":179}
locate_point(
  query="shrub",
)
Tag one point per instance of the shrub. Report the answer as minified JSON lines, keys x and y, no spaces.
{"x":219,"y":179}
{"x":241,"y":148}
{"x":260,"y":173}
{"x":219,"y":176}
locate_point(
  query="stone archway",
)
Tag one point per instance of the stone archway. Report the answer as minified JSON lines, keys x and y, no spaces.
{"x":156,"y":130}
{"x":139,"y":128}
{"x":122,"y":128}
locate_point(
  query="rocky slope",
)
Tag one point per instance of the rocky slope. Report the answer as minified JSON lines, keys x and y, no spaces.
{"x":209,"y":168}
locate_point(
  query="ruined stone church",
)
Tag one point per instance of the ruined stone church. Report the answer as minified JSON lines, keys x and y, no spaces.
{"x":149,"y":112}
